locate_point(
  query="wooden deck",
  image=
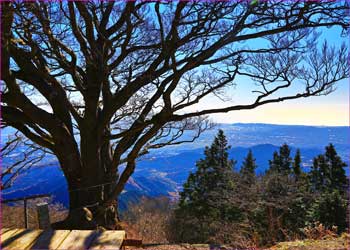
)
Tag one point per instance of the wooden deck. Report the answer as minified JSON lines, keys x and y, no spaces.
{"x":18,"y":239}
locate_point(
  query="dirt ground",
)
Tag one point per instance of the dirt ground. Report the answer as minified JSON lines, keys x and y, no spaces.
{"x":181,"y":247}
{"x":339,"y":243}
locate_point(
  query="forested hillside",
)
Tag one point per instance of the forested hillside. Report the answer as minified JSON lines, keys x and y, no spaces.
{"x":220,"y":205}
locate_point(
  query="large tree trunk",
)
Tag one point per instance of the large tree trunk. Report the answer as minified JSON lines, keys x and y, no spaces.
{"x":87,"y":215}
{"x":87,"y":205}
{"x":90,"y":188}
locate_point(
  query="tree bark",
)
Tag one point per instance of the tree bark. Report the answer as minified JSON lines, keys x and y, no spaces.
{"x":86,"y":216}
{"x":90,"y":187}
{"x":87,"y":205}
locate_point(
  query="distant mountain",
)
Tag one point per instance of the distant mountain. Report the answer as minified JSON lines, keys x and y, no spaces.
{"x":176,"y":167}
{"x":163,"y":171}
{"x":50,"y":180}
{"x":250,"y":134}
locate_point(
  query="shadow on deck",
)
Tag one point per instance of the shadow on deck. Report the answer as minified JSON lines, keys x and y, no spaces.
{"x":18,"y":239}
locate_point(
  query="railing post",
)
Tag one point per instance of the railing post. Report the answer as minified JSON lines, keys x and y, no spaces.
{"x":25,"y":213}
{"x":43,"y":215}
{"x":25,"y":206}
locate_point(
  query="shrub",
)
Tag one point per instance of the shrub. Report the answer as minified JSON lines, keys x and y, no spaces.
{"x":318,"y":231}
{"x":148,"y":219}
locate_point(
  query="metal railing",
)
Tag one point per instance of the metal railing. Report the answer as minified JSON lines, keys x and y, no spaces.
{"x":25,"y":204}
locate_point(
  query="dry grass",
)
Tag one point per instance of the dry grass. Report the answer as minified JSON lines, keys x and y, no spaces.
{"x":318,"y":231}
{"x":148,"y":220}
{"x":13,"y":216}
{"x":328,"y":243}
{"x":185,"y":246}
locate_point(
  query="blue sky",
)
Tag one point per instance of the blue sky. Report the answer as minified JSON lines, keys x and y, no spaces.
{"x":332,"y":109}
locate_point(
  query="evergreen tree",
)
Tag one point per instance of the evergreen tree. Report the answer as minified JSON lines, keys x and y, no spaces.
{"x":285,"y":159}
{"x":329,"y":208}
{"x":282,"y":207}
{"x":281,"y":161}
{"x":296,"y":165}
{"x":206,"y":196}
{"x":328,"y":172}
{"x":319,"y":174}
{"x":338,"y":180}
{"x":329,"y":183}
{"x":285,"y":197}
{"x":274,"y":163}
{"x":247,"y":171}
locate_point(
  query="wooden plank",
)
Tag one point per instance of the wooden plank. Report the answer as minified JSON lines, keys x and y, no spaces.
{"x":50,"y":239}
{"x":78,"y":240}
{"x":4,"y":230}
{"x":22,"y":239}
{"x":7,"y":234}
{"x":108,"y":240}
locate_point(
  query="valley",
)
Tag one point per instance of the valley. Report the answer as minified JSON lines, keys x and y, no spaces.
{"x":162,"y":172}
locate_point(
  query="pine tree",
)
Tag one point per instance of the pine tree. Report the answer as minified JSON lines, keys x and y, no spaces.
{"x":285,"y":159}
{"x":281,"y":161}
{"x":329,"y":183}
{"x":247,"y":170}
{"x":338,"y":180}
{"x":215,"y":172}
{"x":189,"y":193}
{"x":319,"y":174}
{"x":330,"y":209}
{"x":296,"y":165}
{"x":274,"y":163}
{"x":284,"y":188}
{"x":205,"y":198}
{"x":328,"y":171}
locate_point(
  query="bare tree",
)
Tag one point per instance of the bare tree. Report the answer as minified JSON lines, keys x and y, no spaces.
{"x":100,"y":83}
{"x":21,"y":154}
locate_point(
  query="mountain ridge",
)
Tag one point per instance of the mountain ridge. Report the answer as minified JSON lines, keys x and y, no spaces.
{"x":163,"y":171}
